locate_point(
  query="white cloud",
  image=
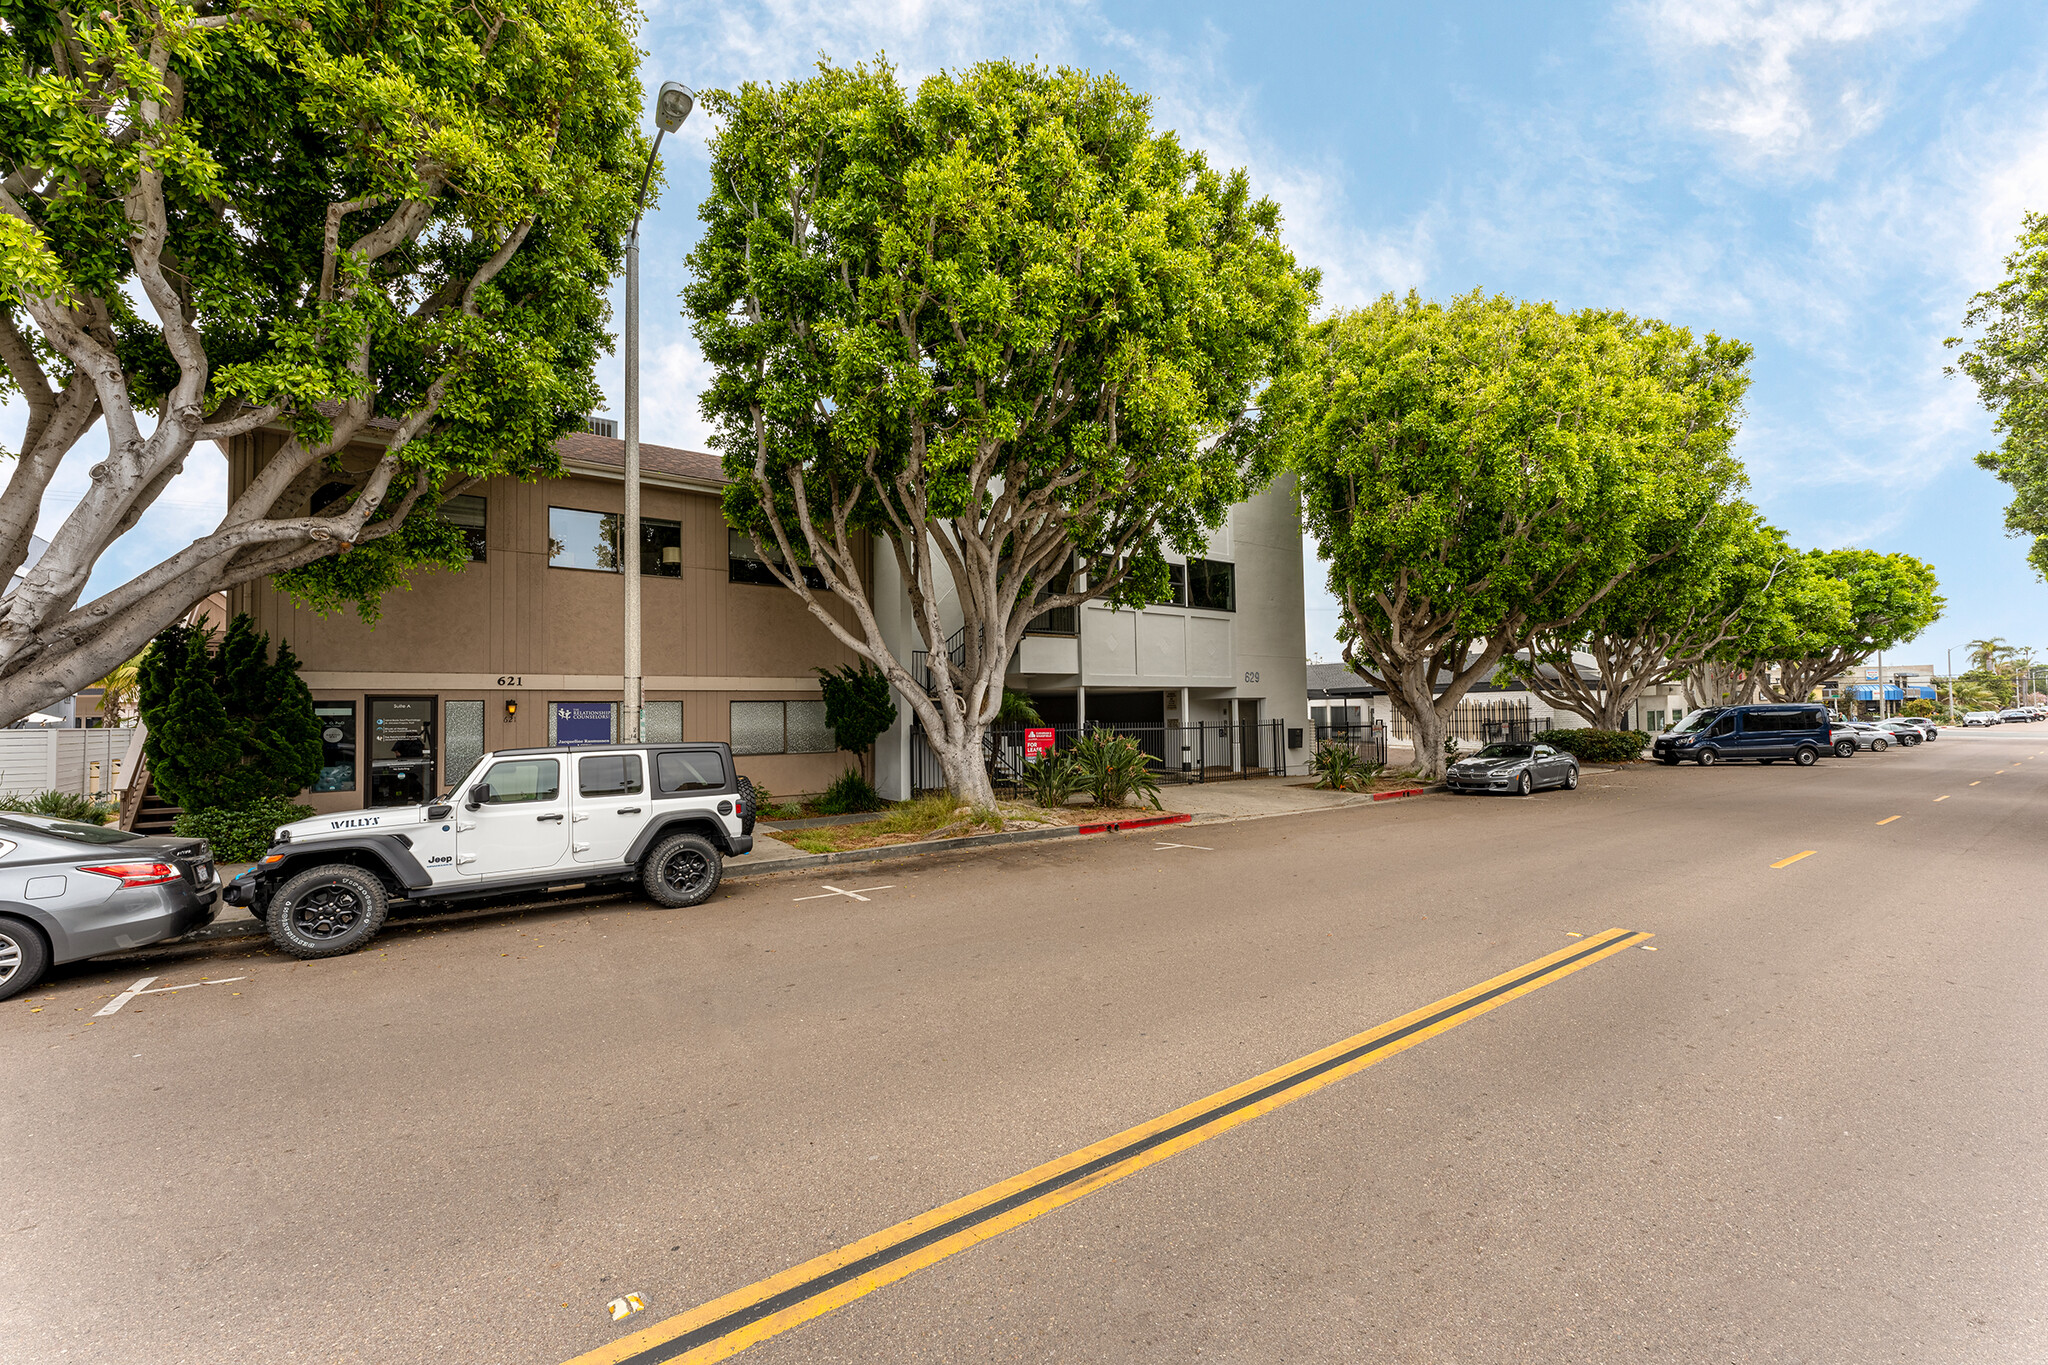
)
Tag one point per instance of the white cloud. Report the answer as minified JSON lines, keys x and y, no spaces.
{"x":1788,"y":83}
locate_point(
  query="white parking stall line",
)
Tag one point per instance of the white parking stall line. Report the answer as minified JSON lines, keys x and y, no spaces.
{"x":856,"y":894}
{"x":1202,"y":847}
{"x":140,"y":988}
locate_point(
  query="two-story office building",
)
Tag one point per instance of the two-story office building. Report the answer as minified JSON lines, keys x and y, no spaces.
{"x":524,"y":646}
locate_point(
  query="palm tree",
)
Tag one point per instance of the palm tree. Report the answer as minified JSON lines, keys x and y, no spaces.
{"x":119,"y":692}
{"x":1985,"y":654}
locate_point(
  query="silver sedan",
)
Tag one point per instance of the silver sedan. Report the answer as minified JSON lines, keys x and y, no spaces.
{"x":1514,"y":766}
{"x":1851,"y":735}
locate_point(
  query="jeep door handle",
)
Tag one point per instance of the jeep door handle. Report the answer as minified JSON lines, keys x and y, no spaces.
{"x":629,"y":810}
{"x":556,"y":816}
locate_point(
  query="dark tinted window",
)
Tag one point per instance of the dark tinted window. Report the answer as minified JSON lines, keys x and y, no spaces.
{"x":1212,"y":585}
{"x":467,"y":511}
{"x":746,"y":561}
{"x":1723,"y":726}
{"x":1505,"y":751}
{"x":608,"y":775}
{"x":689,"y":770}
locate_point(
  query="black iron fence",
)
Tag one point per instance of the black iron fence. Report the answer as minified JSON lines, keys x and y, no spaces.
{"x":1485,"y":722}
{"x":1367,"y":740}
{"x":1178,"y":753}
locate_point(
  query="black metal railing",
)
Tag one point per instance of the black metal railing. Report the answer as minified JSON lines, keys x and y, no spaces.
{"x":1203,"y":752}
{"x":1367,"y":740}
{"x":1486,"y":722}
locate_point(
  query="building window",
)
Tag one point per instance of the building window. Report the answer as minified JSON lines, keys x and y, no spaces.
{"x":328,"y":494}
{"x":575,"y":723}
{"x":661,"y":722}
{"x":465,"y":512}
{"x":337,"y":746}
{"x":1212,"y":585}
{"x":463,"y":741}
{"x":780,"y":727}
{"x":578,"y":539}
{"x":747,"y":561}
{"x":401,"y":751}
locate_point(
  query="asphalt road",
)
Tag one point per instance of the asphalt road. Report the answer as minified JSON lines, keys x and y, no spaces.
{"x":1804,"y":1122}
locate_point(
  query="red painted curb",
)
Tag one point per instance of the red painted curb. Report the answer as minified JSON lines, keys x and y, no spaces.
{"x":1391,"y":796}
{"x":1113,"y":826}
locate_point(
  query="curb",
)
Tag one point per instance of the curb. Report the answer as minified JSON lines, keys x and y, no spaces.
{"x":1396,"y":796}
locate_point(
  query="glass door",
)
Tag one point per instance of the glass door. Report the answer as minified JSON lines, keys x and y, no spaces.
{"x":402,"y":751}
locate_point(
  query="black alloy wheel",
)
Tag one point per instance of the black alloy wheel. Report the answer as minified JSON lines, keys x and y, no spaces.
{"x":1845,"y":748}
{"x":682,"y":870}
{"x":327,"y":911}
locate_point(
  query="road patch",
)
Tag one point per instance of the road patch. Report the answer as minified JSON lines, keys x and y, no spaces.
{"x":728,"y":1325}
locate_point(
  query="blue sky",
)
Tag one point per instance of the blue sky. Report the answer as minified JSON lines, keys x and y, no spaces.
{"x":1829,"y":180}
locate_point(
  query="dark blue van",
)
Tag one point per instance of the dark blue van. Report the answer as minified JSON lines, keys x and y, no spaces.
{"x":1722,"y":734}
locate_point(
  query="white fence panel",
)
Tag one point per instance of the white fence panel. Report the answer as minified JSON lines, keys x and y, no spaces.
{"x":88,"y":762}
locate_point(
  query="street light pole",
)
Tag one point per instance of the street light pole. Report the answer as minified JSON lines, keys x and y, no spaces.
{"x":671,"y":107}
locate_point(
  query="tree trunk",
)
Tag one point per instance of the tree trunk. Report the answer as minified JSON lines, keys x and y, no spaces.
{"x":966,"y":771}
{"x":1427,"y":730}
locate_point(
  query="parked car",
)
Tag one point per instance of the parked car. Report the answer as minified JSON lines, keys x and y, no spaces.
{"x":1762,"y":733}
{"x":1906,"y":731}
{"x":1971,"y":718}
{"x":2013,"y":715}
{"x":1514,"y":765}
{"x":1864,"y":735}
{"x":522,"y":821}
{"x":1927,"y":728}
{"x":70,"y":890}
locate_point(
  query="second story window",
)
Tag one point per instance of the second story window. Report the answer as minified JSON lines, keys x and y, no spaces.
{"x":1212,"y":585}
{"x":466,"y":511}
{"x":747,"y":561}
{"x":590,"y":540}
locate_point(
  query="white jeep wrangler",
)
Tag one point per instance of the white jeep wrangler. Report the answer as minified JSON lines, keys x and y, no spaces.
{"x":523,"y":821}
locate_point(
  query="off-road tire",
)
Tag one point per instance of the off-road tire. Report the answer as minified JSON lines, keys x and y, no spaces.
{"x":24,"y":957}
{"x":682,"y":870}
{"x":747,"y":811}
{"x":327,"y":911}
{"x":1705,"y":758}
{"x":1845,"y":748}
{"x":1805,"y":757}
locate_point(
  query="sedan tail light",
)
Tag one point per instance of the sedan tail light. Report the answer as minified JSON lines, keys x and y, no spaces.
{"x":136,"y":874}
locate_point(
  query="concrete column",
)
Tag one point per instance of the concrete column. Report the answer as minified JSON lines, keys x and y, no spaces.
{"x":1186,"y":716}
{"x":1081,"y":708}
{"x":1236,"y":750}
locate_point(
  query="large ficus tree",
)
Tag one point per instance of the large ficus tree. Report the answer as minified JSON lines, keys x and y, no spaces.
{"x":1880,"y":601}
{"x":347,"y":222}
{"x":1483,"y":472}
{"x":2006,"y":356}
{"x":992,"y":329}
{"x":1712,"y":598}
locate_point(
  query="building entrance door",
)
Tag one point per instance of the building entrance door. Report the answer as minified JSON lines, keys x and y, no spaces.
{"x":402,"y":751}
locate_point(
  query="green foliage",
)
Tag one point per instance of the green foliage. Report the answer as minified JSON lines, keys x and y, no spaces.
{"x":1839,"y":608}
{"x":440,"y":133}
{"x":1018,"y":709}
{"x":1338,"y":768}
{"x":858,"y":707}
{"x":1478,"y":470}
{"x":2004,"y":360}
{"x":1920,"y":706}
{"x":239,"y":834}
{"x":1598,"y":746}
{"x":62,"y":806}
{"x":849,"y":794}
{"x":228,"y":727}
{"x":1052,"y":778}
{"x":1113,"y":769}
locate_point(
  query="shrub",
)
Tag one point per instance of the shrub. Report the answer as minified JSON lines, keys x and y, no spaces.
{"x":1922,"y":707}
{"x":858,"y":708}
{"x":1337,"y":768}
{"x":849,"y":794}
{"x":239,"y":834}
{"x":1598,"y":746}
{"x":1052,"y":779}
{"x":228,"y":726}
{"x":1113,"y":769}
{"x":62,"y":806}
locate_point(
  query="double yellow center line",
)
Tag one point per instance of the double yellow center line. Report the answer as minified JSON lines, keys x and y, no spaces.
{"x":728,"y":1325}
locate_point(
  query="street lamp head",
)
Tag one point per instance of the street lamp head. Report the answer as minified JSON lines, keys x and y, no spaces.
{"x":672,"y":106}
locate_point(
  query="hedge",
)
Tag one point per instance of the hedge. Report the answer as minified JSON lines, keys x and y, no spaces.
{"x":239,"y":834}
{"x":1599,"y":746}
